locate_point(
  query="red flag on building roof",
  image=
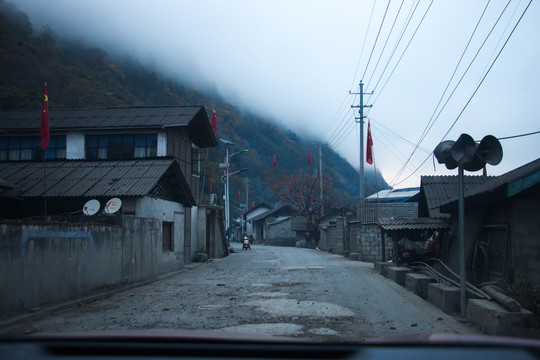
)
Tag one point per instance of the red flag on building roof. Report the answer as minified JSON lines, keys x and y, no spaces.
{"x":275,"y":162}
{"x":239,"y":199}
{"x":210,"y":189}
{"x":44,"y":130}
{"x":369,"y":150}
{"x":308,"y":159}
{"x":213,"y":121}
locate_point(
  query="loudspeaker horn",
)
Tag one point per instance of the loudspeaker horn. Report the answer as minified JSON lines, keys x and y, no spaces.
{"x":443,"y":155}
{"x":489,"y":151}
{"x":464,"y":149}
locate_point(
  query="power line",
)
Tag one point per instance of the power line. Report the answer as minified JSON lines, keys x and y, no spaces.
{"x":489,"y":69}
{"x":377,"y":38}
{"x":518,"y":136}
{"x":403,"y":53}
{"x":433,"y":119}
{"x":385,"y":43}
{"x":474,"y":93}
{"x":403,"y":30}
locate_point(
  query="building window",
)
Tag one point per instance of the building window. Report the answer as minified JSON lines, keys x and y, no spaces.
{"x":20,"y":148}
{"x":195,"y":161}
{"x":120,"y":147}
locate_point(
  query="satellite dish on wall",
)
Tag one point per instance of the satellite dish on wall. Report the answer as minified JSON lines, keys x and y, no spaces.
{"x":113,"y":205}
{"x":91,"y":207}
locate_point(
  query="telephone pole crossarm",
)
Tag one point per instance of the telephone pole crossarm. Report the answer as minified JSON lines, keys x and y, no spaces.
{"x":360,"y":120}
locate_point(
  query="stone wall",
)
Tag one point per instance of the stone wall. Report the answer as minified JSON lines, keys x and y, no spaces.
{"x":45,"y":263}
{"x":365,"y":239}
{"x":279,"y":234}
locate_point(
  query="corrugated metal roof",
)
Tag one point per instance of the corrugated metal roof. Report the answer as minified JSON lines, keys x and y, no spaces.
{"x":193,"y":117}
{"x":119,"y":117}
{"x":413,"y":224}
{"x":394,"y":194}
{"x":507,"y":179}
{"x":436,"y":190}
{"x":79,"y":178}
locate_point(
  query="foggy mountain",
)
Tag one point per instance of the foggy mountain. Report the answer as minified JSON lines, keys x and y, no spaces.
{"x":80,"y":76}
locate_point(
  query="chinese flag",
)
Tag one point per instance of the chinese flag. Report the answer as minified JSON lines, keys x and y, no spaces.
{"x":239,"y":199}
{"x":44,"y":131}
{"x":369,"y":151}
{"x":213,"y":121}
{"x":275,"y":162}
{"x":308,"y":159}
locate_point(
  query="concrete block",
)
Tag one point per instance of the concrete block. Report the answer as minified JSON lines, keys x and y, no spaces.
{"x":356,"y":256}
{"x":418,"y":283}
{"x":494,"y":319}
{"x":397,"y":273}
{"x":445,"y":297}
{"x":381,"y":267}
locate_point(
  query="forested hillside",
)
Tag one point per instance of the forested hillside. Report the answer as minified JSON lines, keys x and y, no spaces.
{"x":79,"y":76}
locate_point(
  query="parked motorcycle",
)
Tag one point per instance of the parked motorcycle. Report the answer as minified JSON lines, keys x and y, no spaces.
{"x":245,"y":243}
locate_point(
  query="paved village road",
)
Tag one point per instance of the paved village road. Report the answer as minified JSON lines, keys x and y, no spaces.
{"x":270,"y":291}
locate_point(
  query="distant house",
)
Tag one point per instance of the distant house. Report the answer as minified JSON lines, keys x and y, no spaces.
{"x":253,"y":213}
{"x":395,"y":195}
{"x":265,"y":229}
{"x":502,"y":226}
{"x":149,"y":157}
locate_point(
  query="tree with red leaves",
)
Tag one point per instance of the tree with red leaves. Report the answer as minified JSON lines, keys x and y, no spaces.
{"x":301,"y":191}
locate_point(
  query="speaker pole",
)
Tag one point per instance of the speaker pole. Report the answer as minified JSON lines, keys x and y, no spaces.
{"x":462,"y":269}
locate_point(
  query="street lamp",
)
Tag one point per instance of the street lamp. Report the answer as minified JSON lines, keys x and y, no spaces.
{"x":226,"y":165}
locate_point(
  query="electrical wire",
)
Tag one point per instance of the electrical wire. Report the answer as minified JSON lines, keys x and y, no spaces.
{"x":474,"y":93}
{"x":433,"y":119}
{"x":402,"y":33}
{"x":376,"y":39}
{"x":518,"y":136}
{"x":488,"y":71}
{"x":403,"y":53}
{"x":385,"y":43}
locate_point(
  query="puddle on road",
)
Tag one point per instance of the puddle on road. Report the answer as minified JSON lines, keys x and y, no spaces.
{"x":216,"y":306}
{"x":268,"y":295}
{"x":291,"y":307}
{"x":323,"y":331}
{"x":266,"y":329}
{"x":298,"y":268}
{"x":261,"y":285}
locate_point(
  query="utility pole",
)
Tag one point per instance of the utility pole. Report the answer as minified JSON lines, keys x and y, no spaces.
{"x":244,"y":220}
{"x":321,"y":178}
{"x":360,"y":119}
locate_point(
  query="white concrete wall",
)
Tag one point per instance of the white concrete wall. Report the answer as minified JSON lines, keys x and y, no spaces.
{"x":162,"y":210}
{"x":75,"y":146}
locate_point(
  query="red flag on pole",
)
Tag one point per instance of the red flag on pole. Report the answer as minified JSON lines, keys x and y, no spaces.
{"x":239,"y":199}
{"x":210,"y":188}
{"x":44,"y":130}
{"x":308,"y":159}
{"x":213,"y":121}
{"x":369,"y":151}
{"x":275,"y":162}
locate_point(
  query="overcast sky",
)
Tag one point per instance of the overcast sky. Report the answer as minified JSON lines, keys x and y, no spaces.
{"x":296,"y":61}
